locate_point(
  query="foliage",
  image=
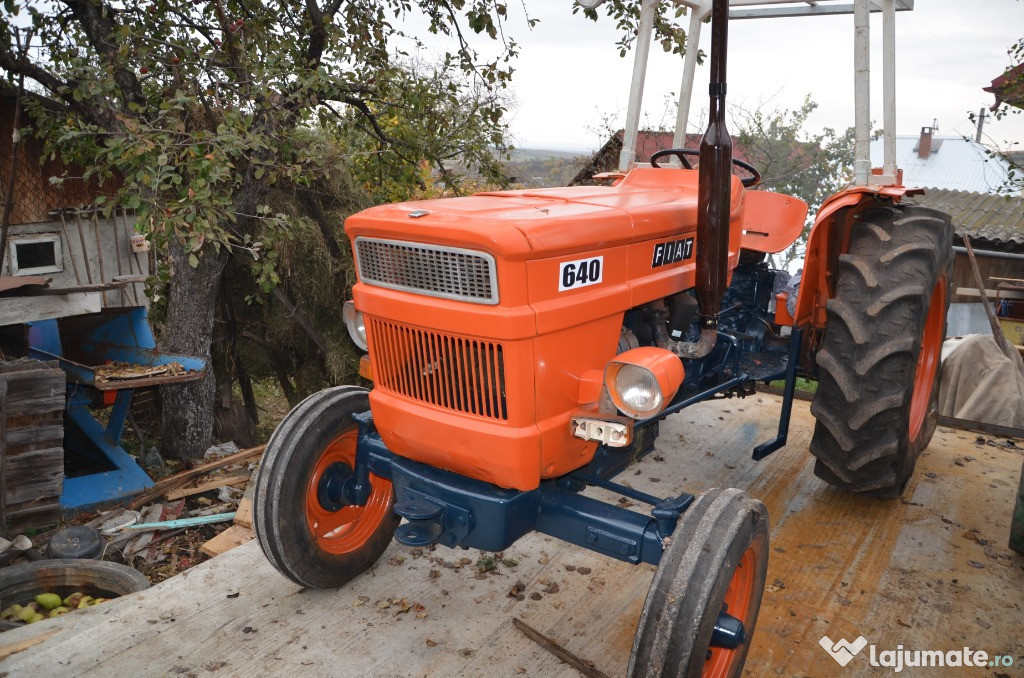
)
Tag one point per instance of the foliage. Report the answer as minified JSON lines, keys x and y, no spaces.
{"x":626,"y":15}
{"x":208,"y":117}
{"x":810,"y":166}
{"x":1014,"y":183}
{"x":193,"y":105}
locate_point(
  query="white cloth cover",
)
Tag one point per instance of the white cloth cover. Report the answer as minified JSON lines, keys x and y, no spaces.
{"x":979,"y":383}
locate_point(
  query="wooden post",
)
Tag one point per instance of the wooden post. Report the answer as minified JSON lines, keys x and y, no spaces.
{"x":1017,"y":521}
{"x":3,"y":458}
{"x":997,"y":330}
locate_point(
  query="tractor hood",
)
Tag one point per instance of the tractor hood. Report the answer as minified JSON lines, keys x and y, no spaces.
{"x":531,"y":224}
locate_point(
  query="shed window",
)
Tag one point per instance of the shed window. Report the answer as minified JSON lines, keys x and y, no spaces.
{"x":35,"y":254}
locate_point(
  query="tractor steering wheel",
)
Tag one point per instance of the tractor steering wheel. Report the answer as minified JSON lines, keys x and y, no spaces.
{"x":753,"y":180}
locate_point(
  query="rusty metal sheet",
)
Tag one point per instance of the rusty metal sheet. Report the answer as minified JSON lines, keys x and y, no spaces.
{"x":13,"y":282}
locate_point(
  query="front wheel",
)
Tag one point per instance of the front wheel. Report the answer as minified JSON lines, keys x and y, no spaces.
{"x":307,"y":537}
{"x":702,"y":606}
{"x":877,"y":400}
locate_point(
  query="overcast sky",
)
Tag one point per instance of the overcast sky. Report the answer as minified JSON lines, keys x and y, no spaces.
{"x":569,"y":77}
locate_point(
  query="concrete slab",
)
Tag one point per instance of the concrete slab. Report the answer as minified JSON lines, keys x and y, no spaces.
{"x":930,"y":571}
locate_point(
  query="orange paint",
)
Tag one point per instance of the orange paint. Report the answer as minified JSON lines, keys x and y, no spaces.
{"x":347,"y":529}
{"x":772,"y":221}
{"x":738,"y":598}
{"x":929,"y":357}
{"x":487,"y":390}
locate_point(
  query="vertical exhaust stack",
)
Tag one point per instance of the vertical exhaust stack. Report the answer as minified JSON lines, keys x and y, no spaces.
{"x":714,"y":197}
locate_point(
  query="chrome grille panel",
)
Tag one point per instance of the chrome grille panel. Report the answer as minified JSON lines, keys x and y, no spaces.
{"x":455,"y":373}
{"x":434,"y":270}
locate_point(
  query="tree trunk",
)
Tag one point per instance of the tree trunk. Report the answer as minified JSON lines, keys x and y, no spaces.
{"x":186,"y":426}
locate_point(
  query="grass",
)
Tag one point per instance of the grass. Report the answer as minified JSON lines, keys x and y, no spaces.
{"x":805,"y":385}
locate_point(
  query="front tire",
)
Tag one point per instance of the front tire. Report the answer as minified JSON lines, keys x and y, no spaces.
{"x":877,"y":400}
{"x":312,"y":544}
{"x":717,"y":563}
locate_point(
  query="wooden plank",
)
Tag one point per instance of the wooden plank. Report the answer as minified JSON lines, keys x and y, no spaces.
{"x":222,"y":481}
{"x":179,"y":479}
{"x":848,"y":564}
{"x":234,"y":536}
{"x":17,"y":646}
{"x":3,"y":459}
{"x":15,"y":310}
{"x":243,"y":516}
{"x":35,"y":434}
{"x":981,"y":427}
{"x":32,"y":514}
{"x":26,"y":364}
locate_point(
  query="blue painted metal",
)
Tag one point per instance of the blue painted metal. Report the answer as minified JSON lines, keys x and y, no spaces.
{"x":118,"y":414}
{"x":766,"y":448}
{"x":590,"y":479}
{"x":598,"y":526}
{"x":125,"y":479}
{"x":679,"y":404}
{"x":728,"y":632}
{"x":474,"y":514}
{"x":121,"y":335}
{"x":330,"y":491}
{"x":44,"y":335}
{"x":667,"y":512}
{"x":116,"y":335}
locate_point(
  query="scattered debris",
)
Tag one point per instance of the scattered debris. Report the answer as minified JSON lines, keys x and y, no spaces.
{"x":584,"y":667}
{"x":184,"y":522}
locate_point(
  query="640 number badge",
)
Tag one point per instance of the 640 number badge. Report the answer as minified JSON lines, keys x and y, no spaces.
{"x":580,"y":273}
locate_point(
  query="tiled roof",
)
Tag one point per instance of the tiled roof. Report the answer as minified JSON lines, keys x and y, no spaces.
{"x":954,"y":163}
{"x":985,"y":216}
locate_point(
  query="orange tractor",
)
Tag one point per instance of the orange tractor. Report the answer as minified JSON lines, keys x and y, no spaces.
{"x":525,"y":345}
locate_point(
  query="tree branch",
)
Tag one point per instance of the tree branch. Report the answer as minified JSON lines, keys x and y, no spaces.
{"x":94,"y":18}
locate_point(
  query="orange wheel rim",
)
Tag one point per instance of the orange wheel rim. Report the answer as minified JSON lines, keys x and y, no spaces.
{"x":738,"y":599}
{"x":348,"y":528}
{"x":928,"y":359}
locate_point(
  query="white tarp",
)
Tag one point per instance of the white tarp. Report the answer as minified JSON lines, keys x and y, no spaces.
{"x":979,"y":383}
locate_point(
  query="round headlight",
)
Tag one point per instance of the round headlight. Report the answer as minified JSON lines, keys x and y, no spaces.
{"x":636,"y":391}
{"x":355,"y":323}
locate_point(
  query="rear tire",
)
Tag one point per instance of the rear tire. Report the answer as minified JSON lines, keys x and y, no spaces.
{"x":878,"y":363}
{"x":717,"y":562}
{"x":314,"y":545}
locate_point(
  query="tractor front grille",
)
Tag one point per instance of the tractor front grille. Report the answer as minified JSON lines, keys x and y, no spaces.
{"x":455,"y":373}
{"x":435,"y":270}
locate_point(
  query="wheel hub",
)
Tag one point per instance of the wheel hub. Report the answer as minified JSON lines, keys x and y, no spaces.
{"x":330,"y":490}
{"x":728,"y":633}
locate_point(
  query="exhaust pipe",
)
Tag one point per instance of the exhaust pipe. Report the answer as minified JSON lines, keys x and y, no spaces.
{"x":714,"y":198}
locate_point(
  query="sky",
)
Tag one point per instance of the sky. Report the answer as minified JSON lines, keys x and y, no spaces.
{"x":570,"y":80}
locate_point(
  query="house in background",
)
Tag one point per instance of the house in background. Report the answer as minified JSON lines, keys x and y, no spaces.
{"x":955,"y":163}
{"x":75,"y":340}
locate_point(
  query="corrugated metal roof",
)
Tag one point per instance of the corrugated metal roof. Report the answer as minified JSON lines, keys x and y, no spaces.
{"x":955,"y":163}
{"x":996,"y":218}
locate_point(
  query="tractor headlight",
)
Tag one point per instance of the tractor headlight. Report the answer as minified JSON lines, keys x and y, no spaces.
{"x":355,"y":324}
{"x":642,"y":380}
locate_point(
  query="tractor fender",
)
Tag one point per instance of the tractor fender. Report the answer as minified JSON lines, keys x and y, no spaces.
{"x":771,"y":221}
{"x":828,"y":239}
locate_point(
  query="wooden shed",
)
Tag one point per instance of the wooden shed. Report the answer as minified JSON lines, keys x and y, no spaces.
{"x":57,"y":233}
{"x":995,"y":226}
